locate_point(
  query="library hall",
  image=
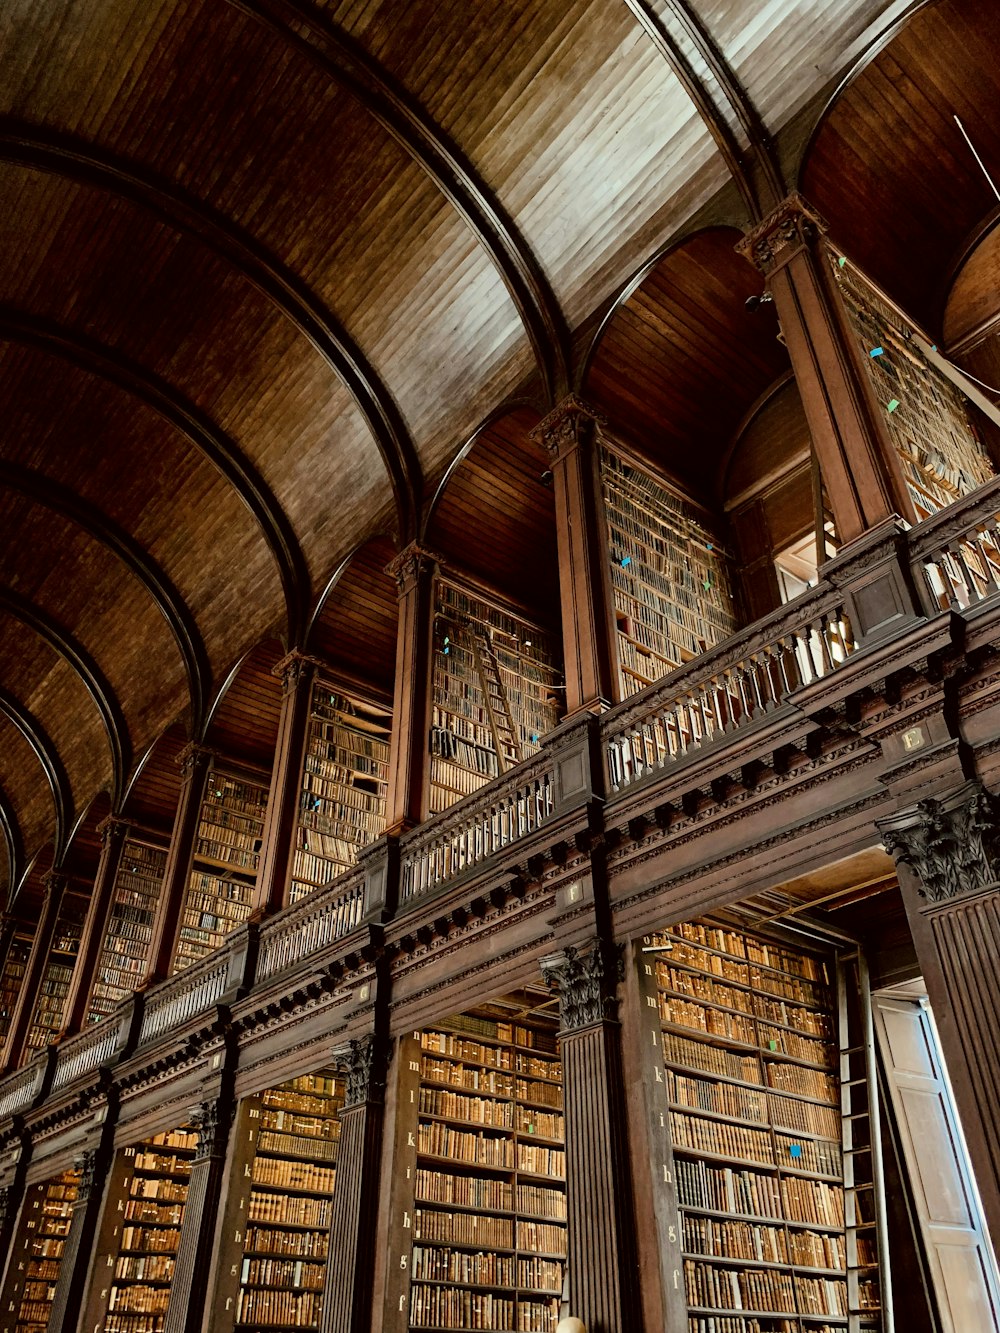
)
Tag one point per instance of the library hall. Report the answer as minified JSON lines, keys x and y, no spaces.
{"x":499,"y":666}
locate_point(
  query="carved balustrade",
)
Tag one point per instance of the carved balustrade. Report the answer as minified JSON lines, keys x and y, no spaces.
{"x":310,"y":925}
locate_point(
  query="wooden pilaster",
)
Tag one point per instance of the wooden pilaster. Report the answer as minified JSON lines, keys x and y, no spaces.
{"x":78,"y":1253}
{"x":348,"y":1293}
{"x":20,"y":1024}
{"x":298,"y":674}
{"x":196,"y":764}
{"x":603,"y":1272}
{"x":947,"y":853}
{"x":231,"y":1218}
{"x":113,"y":833}
{"x":12,"y":1193}
{"x":414,"y":570}
{"x":189,"y":1289}
{"x":860,"y":470}
{"x":570,"y":435}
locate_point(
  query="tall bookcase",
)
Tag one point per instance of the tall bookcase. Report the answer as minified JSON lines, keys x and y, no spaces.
{"x":38,"y":1247}
{"x":129,"y":933}
{"x":942,"y":456}
{"x":226,"y":860}
{"x":775,"y":1169}
{"x":284,"y":1218}
{"x":46,"y":1021}
{"x":12,"y":978}
{"x":483,"y":1239}
{"x":151,"y":1182}
{"x":494,"y":692}
{"x":671,"y":577}
{"x":344,"y":785}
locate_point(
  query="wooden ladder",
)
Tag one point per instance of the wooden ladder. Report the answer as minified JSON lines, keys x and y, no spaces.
{"x":505,"y":737}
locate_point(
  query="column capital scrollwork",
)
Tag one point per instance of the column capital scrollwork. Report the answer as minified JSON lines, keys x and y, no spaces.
{"x":586,"y":979}
{"x":411,"y":562}
{"x":296,"y":670}
{"x":86,"y":1163}
{"x":571,"y":422}
{"x":364,"y":1066}
{"x":193,"y":757}
{"x":792,"y":226}
{"x":112,"y":828}
{"x":210,"y":1121}
{"x":952,"y":844}
{"x":55,"y":882}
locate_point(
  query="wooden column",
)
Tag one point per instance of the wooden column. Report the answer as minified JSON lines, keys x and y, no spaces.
{"x":571,"y":436}
{"x":860,"y":469}
{"x":414,"y":570}
{"x":349,"y":1288}
{"x":196,"y":764}
{"x":298,"y":674}
{"x":602,"y":1266}
{"x":76,"y":1264}
{"x":186,"y":1311}
{"x":113,"y":833}
{"x":17,"y":1156}
{"x":947,"y":853}
{"x":20,"y":1024}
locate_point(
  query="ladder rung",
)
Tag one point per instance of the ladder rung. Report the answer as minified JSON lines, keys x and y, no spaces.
{"x":852,"y":1082}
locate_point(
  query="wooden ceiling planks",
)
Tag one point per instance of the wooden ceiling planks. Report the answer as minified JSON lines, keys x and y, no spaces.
{"x":682,"y":360}
{"x":244,"y":723}
{"x":973,"y":303}
{"x":889,"y":168}
{"x":355,"y":629}
{"x":23,"y":782}
{"x":155,"y":790}
{"x":496,"y":492}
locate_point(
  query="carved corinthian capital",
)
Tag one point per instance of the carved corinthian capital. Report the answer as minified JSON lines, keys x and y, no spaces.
{"x":364,"y":1069}
{"x":792,"y":225}
{"x":951,"y":844}
{"x":210,"y":1121}
{"x":586,"y":981}
{"x":412,"y":561}
{"x":572,"y":422}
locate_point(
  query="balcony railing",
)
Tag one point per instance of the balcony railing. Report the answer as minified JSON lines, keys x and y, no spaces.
{"x":193,"y":991}
{"x":19,"y":1090}
{"x":87,"y":1051}
{"x":303,"y":930}
{"x":467,"y":834}
{"x":955,"y":555}
{"x":729,"y":688}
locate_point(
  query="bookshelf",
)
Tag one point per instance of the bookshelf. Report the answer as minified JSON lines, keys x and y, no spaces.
{"x":224,"y":870}
{"x":47,"y":1213}
{"x":128,"y":936}
{"x":494,"y":692}
{"x":777,"y":1226}
{"x":46,"y":1021}
{"x":153,"y":1192}
{"x":293,"y":1139}
{"x":942,"y":457}
{"x":670,"y":576}
{"x":344,"y":781}
{"x":14,"y":968}
{"x":486,"y":1183}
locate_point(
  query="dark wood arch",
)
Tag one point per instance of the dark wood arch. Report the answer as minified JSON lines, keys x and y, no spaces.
{"x":11,"y":830}
{"x":48,"y":757}
{"x":343,"y":59}
{"x":96,"y":359}
{"x":244,"y":718}
{"x":355,"y":622}
{"x":74,"y":653}
{"x":53,"y":495}
{"x":90,"y":165}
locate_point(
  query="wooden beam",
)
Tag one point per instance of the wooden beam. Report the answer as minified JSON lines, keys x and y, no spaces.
{"x":72,"y":651}
{"x":345,"y":60}
{"x":197,"y":428}
{"x":169,"y":602}
{"x":77,"y":160}
{"x":52,"y":766}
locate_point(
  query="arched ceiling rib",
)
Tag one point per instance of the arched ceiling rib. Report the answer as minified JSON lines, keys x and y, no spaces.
{"x":51,"y":495}
{"x":346,"y":60}
{"x":87,"y":354}
{"x":84,"y":162}
{"x":51,"y":764}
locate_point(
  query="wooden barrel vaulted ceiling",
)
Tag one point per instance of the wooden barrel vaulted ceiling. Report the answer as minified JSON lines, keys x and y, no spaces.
{"x":268,"y":267}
